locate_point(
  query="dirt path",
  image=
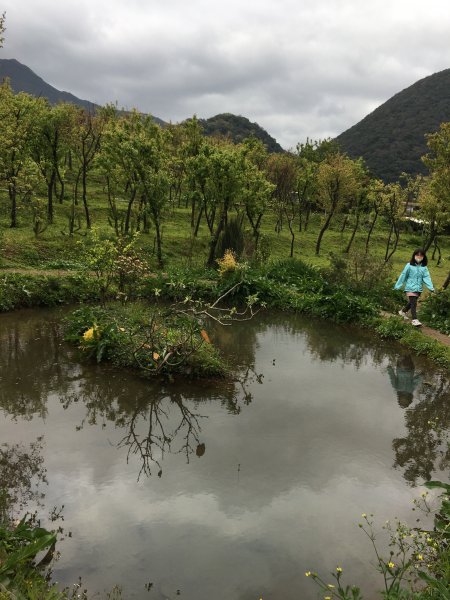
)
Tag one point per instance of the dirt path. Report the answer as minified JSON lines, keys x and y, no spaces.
{"x":37,"y":272}
{"x":428,"y":331}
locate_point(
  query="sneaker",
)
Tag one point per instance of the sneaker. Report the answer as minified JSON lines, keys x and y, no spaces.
{"x":403,"y":314}
{"x":416,"y":323}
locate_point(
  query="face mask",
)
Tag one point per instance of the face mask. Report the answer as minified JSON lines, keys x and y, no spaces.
{"x":418,"y":259}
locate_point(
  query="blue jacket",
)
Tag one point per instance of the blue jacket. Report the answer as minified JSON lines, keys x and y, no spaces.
{"x":413,"y":277}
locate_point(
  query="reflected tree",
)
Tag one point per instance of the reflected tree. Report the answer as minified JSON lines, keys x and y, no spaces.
{"x":32,"y":365}
{"x":426,"y":447}
{"x":160,"y":434}
{"x":21,"y":473}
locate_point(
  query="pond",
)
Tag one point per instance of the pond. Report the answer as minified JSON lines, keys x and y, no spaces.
{"x":230,"y":489}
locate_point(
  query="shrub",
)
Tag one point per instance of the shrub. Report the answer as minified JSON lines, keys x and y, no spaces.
{"x":435,"y":311}
{"x":232,"y":239}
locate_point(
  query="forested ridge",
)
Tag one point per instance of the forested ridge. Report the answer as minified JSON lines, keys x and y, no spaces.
{"x":392,"y":138}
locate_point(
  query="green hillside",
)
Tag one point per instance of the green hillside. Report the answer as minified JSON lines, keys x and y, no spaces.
{"x":392,"y":138}
{"x":238,"y":128}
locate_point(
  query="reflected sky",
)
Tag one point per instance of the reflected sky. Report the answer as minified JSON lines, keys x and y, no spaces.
{"x":225,"y":489}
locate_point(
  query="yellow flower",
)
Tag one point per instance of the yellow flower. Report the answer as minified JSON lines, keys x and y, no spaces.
{"x":227,"y":263}
{"x":339,"y":569}
{"x":327,"y":598}
{"x":155,"y":356}
{"x":364,"y":515}
{"x":308,"y":573}
{"x":391,"y":565}
{"x":90,"y":334}
{"x":419,"y":557}
{"x":331,"y":586}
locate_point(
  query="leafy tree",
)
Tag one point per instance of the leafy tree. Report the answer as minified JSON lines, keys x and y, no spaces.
{"x":225,"y":183}
{"x":338,"y":180}
{"x":51,"y":145}
{"x":282,"y":172}
{"x":435,"y":203}
{"x":394,"y":197}
{"x":19,"y":118}
{"x":85,"y":144}
{"x":375,"y":200}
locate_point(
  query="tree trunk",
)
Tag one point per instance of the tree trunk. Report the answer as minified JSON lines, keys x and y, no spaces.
{"x":355,"y":229}
{"x":446,"y":282}
{"x":322,"y":231}
{"x":13,"y":199}
{"x":128,"y":215}
{"x":371,"y":228}
{"x":50,"y":188}
{"x":197,"y":225}
{"x":84,"y":193}
{"x":215,"y":237}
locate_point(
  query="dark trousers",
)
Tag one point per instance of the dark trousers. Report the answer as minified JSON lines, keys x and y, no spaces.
{"x":412,"y":304}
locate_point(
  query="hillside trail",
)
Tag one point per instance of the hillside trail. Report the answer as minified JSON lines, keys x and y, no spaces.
{"x":428,"y":331}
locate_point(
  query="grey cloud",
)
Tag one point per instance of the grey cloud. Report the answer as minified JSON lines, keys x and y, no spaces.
{"x":299,"y":69}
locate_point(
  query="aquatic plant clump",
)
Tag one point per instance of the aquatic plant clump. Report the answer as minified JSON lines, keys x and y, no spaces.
{"x":155,"y":341}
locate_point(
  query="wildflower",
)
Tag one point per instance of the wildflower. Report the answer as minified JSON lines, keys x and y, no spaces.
{"x":155,"y":356}
{"x":338,"y":569}
{"x":364,"y":515}
{"x":89,"y":334}
{"x":327,"y":598}
{"x":419,"y":557}
{"x":308,"y":573}
{"x":331,"y":586}
{"x":391,"y":565}
{"x":227,"y":263}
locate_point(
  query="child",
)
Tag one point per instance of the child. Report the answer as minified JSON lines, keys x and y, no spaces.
{"x":413,"y":276}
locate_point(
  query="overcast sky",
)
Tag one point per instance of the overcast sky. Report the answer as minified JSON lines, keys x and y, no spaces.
{"x":298,"y":67}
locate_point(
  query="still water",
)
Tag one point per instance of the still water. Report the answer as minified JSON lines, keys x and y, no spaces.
{"x":224,"y":490}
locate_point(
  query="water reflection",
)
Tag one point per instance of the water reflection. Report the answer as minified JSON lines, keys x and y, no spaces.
{"x":167,"y":418}
{"x":22,"y":472}
{"x":426,"y":447}
{"x":258,"y":477}
{"x":404,"y":379}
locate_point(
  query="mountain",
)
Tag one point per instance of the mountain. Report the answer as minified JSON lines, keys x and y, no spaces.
{"x":391,"y":139}
{"x":23,"y":79}
{"x":238,"y":128}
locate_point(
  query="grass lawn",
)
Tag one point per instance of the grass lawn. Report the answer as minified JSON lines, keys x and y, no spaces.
{"x":54,"y":248}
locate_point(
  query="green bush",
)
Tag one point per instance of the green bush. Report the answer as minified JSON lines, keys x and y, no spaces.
{"x":19,"y":291}
{"x":435,"y":311}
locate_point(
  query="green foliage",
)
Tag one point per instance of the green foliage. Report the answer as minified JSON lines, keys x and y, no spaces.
{"x":435,"y":311}
{"x":364,"y":275}
{"x":238,"y":129}
{"x":19,"y":291}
